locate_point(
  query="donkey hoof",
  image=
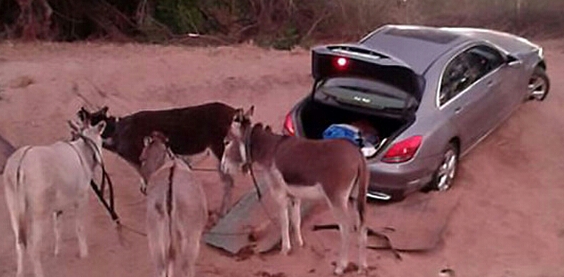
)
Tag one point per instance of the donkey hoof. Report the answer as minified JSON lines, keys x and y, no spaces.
{"x":83,"y":254}
{"x":362,"y":270}
{"x":339,"y":271}
{"x":285,"y":251}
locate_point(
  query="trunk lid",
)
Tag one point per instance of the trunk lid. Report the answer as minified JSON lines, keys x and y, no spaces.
{"x":355,"y":60}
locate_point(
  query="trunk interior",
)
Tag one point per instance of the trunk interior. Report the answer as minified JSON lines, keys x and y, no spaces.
{"x":316,"y":117}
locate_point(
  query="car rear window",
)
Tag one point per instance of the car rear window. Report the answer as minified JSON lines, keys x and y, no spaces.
{"x":363,"y":93}
{"x":430,"y":35}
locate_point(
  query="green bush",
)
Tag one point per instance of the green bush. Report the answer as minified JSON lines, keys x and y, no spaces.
{"x":281,"y":23}
{"x":181,"y":16}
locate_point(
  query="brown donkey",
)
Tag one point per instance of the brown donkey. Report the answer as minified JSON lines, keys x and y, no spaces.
{"x":176,"y":209}
{"x":296,"y":169}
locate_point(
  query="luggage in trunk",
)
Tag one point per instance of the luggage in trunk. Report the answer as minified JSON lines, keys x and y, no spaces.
{"x":321,"y":121}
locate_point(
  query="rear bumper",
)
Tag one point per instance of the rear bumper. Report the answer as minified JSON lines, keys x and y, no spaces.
{"x":394,"y":181}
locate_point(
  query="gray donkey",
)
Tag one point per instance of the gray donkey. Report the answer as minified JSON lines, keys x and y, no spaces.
{"x":176,"y":208}
{"x":42,"y":182}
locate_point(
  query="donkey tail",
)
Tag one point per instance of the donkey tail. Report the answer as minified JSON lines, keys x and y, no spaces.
{"x":169,"y":217}
{"x":21,"y":204}
{"x":362,"y":180}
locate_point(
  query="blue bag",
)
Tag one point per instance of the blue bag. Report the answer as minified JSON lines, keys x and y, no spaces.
{"x":344,"y":131}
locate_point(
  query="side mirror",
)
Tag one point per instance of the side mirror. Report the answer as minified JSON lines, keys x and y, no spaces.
{"x":513,"y":61}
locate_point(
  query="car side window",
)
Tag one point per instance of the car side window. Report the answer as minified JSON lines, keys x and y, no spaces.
{"x":466,"y":68}
{"x":454,"y":78}
{"x":489,"y":58}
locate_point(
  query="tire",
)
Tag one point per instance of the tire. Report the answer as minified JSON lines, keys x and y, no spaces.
{"x":446,"y":172}
{"x":539,"y":85}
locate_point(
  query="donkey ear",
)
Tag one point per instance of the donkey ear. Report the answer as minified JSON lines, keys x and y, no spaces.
{"x":238,"y":116}
{"x":101,"y":126}
{"x":250,"y":111}
{"x":147,"y":140}
{"x":83,"y":114}
{"x":74,"y":134}
{"x":75,"y":127}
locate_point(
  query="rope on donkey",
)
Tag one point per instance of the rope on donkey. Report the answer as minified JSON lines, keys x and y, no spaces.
{"x":99,"y":191}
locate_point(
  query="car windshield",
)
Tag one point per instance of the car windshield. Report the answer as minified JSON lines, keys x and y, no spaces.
{"x":364,"y":93}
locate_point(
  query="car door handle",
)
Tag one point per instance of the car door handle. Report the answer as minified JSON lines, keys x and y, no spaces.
{"x":491,"y":83}
{"x":458,"y":110}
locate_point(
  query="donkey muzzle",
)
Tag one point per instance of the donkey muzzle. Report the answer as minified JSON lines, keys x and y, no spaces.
{"x":246,"y":168}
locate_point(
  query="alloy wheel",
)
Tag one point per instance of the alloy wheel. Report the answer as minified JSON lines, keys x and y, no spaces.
{"x":538,"y":88}
{"x":447,"y":170}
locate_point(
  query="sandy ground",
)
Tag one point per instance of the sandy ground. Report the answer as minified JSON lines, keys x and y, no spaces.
{"x":508,"y":216}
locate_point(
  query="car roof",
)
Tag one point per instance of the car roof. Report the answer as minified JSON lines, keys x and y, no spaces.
{"x":416,"y":46}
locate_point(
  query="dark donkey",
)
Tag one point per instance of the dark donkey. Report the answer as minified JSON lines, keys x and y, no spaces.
{"x":190,"y":130}
{"x":298,"y":168}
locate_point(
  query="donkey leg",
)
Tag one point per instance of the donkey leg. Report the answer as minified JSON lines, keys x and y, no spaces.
{"x":217,"y":149}
{"x":282,"y":200}
{"x":296,"y":219}
{"x":80,"y":214}
{"x":157,"y":248}
{"x":341,"y":215}
{"x":35,"y":246}
{"x":362,"y":244}
{"x":191,"y":248}
{"x":227,"y":180}
{"x":156,"y":237}
{"x":20,"y":250}
{"x":57,"y":231}
{"x":362,"y":230}
{"x":21,"y":241}
{"x":170,"y":262}
{"x":18,"y":227}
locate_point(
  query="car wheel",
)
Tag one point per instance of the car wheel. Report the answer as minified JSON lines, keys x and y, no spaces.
{"x":444,"y":176}
{"x":538,"y":85}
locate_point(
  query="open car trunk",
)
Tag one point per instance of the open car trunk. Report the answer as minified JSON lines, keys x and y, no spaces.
{"x":316,"y":117}
{"x":360,"y":95}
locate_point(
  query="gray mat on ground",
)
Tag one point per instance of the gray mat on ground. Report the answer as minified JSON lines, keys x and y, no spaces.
{"x":250,"y":224}
{"x":414,"y":224}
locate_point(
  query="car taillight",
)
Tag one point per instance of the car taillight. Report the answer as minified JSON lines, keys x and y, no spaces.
{"x":289,"y":125}
{"x":403,"y":151}
{"x":342,"y":63}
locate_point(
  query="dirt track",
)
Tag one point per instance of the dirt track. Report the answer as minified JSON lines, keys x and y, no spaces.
{"x":509,"y":198}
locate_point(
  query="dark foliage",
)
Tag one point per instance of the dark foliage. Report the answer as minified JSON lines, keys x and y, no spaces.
{"x":278,"y":23}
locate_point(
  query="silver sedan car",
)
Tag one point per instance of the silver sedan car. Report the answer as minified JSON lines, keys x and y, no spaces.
{"x":416,"y":98}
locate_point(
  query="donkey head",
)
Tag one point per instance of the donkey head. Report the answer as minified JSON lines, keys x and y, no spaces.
{"x":98,"y":116}
{"x":91,"y":134}
{"x":154,"y":154}
{"x":235,"y":154}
